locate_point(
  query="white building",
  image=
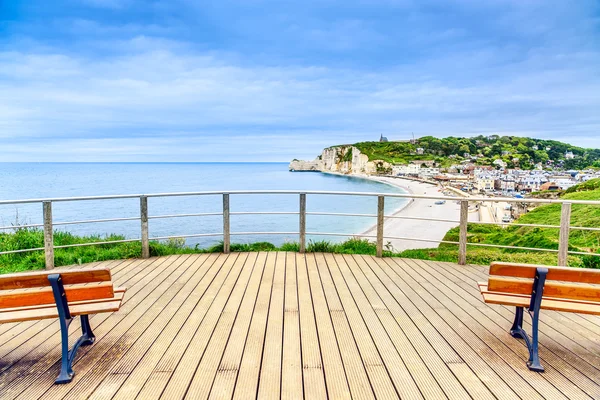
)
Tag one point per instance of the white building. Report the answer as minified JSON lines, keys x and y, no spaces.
{"x":410,"y":169}
{"x":569,"y":155}
{"x":485,"y":182}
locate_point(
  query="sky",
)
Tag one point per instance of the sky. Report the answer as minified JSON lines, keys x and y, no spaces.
{"x":261,"y":80}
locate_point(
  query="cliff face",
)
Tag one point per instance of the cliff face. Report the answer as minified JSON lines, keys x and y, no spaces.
{"x":342,"y":159}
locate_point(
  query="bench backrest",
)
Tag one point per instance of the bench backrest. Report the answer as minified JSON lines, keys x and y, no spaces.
{"x":561,"y":282}
{"x":33,"y":288}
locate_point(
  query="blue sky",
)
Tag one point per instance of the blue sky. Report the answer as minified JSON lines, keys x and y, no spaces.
{"x":258,"y":80}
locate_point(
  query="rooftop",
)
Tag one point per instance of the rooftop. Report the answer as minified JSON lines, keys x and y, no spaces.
{"x":302,"y":325}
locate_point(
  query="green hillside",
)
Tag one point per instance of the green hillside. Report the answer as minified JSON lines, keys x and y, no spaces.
{"x":546,"y":238}
{"x":483,"y":150}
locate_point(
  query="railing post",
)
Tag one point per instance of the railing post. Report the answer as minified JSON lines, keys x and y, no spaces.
{"x":563,"y":241}
{"x":48,"y":235}
{"x":302,"y":243}
{"x":144,"y":226}
{"x":462,"y":239}
{"x":380,"y":213}
{"x":226,"y":225}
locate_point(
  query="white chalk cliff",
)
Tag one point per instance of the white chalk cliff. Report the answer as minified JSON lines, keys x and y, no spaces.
{"x":342,"y":159}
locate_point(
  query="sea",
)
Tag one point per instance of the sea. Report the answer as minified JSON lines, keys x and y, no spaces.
{"x":57,"y":180}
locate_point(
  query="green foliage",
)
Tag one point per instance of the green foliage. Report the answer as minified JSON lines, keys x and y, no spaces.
{"x":528,"y":151}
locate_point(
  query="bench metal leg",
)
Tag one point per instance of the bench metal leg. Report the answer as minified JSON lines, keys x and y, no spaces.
{"x":534,"y":358}
{"x":68,"y":356}
{"x":64,"y":317}
{"x":517,"y":330}
{"x":86,"y":331}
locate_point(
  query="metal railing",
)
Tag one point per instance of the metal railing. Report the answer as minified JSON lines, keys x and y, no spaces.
{"x":144,"y":218}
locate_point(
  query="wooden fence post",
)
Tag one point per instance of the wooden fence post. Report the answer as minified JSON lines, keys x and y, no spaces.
{"x":302,"y":246}
{"x":226,"y":224}
{"x":380,"y":214}
{"x":462,"y":241}
{"x":48,"y":235}
{"x":563,"y":241}
{"x":144,"y":226}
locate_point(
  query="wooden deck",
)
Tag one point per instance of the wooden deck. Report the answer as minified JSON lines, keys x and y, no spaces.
{"x":286,"y":325}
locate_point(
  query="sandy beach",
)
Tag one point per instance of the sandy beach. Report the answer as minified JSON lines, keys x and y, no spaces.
{"x":416,"y":229}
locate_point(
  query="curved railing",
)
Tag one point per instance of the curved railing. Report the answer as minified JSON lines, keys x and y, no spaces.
{"x":144,"y":218}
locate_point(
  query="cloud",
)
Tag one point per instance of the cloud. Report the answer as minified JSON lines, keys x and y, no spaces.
{"x":144,"y":89}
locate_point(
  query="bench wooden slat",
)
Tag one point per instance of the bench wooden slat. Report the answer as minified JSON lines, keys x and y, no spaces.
{"x":36,"y":307}
{"x":567,"y":274}
{"x":522,"y":286}
{"x":79,"y":308}
{"x":44,"y":295}
{"x":556,"y":304}
{"x":40,"y":278}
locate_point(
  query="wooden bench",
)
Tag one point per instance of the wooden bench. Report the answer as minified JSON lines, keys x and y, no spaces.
{"x":63,"y":295}
{"x":538,"y":287}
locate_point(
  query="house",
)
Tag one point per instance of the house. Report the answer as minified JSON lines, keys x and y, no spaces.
{"x":549,"y":186}
{"x":569,"y":155}
{"x":531,"y":182}
{"x":493,"y":137}
{"x":484,"y":182}
{"x":410,"y":169}
{"x":499,"y":163}
{"x":534,"y":147}
{"x":420,"y":150}
{"x":506,"y":183}
{"x":427,"y":173}
{"x":428,"y":163}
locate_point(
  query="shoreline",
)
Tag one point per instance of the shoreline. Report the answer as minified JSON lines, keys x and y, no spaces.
{"x":423,"y":234}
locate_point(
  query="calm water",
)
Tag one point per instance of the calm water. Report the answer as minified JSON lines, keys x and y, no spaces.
{"x":43,"y":180}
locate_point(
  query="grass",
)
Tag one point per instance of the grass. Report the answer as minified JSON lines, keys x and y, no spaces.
{"x":544,"y":238}
{"x":34,"y":238}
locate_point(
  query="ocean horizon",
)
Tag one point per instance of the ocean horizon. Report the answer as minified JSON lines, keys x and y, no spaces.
{"x":29,"y":180}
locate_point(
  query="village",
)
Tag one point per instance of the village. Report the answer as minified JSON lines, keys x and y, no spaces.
{"x":495,"y":180}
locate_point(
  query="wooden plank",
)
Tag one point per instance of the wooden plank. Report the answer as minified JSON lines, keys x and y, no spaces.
{"x":465,"y":309}
{"x":238,"y":308}
{"x":185,"y":371}
{"x":312,"y":364}
{"x":24,"y":280}
{"x":561,"y":341}
{"x":378,"y":374}
{"x":403,"y":381}
{"x":567,"y":274}
{"x":574,"y":291}
{"x":431,"y":373}
{"x":547,"y":303}
{"x":236,"y":347}
{"x":358,"y":379}
{"x":136,"y":364}
{"x":437,"y":326}
{"x":188,"y":345}
{"x":135,"y":376}
{"x":40,"y":334}
{"x":269,"y":385}
{"x":249,"y":370}
{"x":150,"y":289}
{"x":333,"y":368}
{"x":83,"y":308}
{"x":128,"y":348}
{"x":570,"y":364}
{"x":44,"y":296}
{"x":291,"y":374}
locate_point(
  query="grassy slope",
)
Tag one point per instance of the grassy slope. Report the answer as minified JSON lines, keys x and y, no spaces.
{"x":579,"y":240}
